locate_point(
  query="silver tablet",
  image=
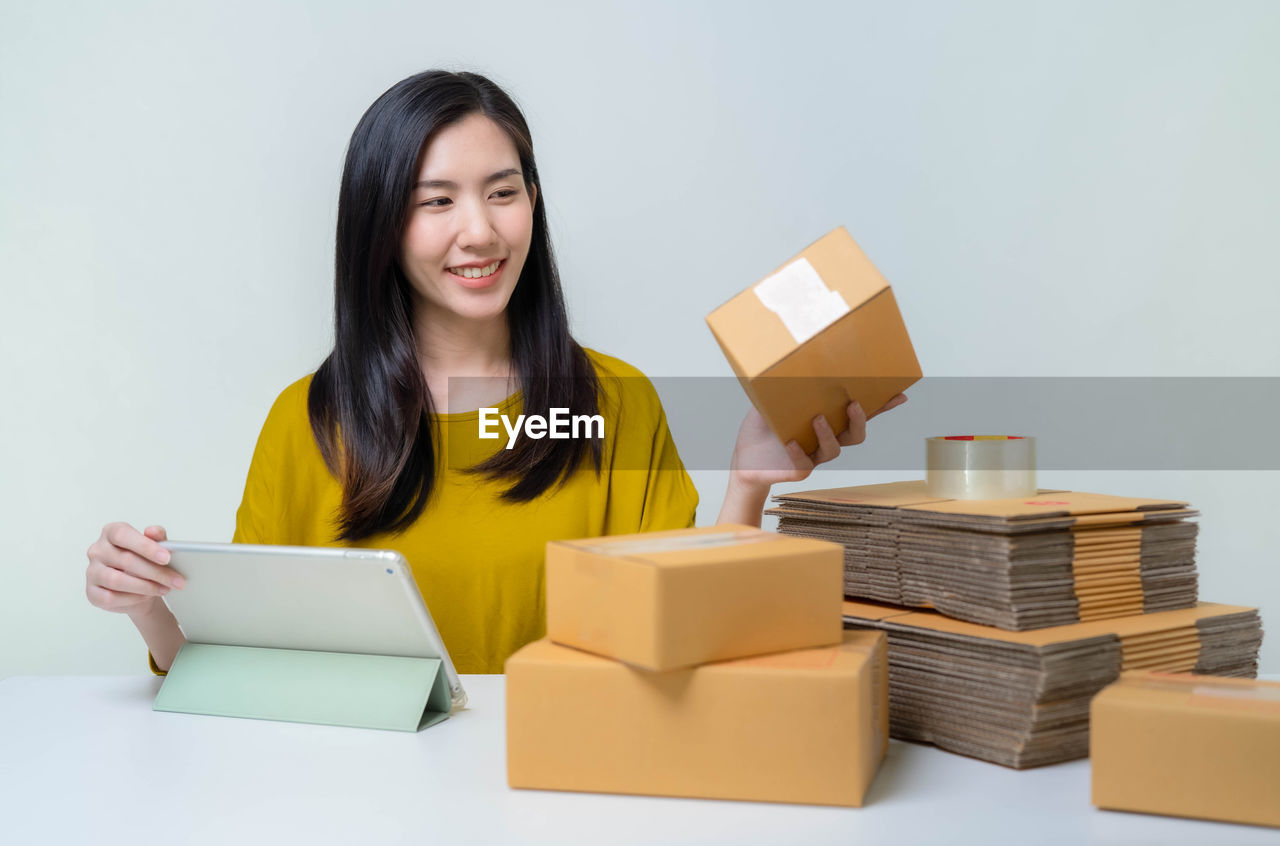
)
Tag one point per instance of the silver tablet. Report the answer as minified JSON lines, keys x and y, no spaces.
{"x":305,"y":597}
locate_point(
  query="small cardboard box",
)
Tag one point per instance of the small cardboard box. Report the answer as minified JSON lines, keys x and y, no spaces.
{"x":819,"y":331}
{"x":663,"y":600}
{"x":1188,"y":746}
{"x":807,"y":726}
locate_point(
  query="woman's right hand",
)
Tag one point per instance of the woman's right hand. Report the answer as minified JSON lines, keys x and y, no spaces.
{"x":128,"y":570}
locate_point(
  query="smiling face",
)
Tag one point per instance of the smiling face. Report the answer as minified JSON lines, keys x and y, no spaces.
{"x":470,"y":221}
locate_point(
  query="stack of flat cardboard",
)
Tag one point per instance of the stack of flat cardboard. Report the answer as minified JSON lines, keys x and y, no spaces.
{"x":1022,"y":698}
{"x":1188,"y":746}
{"x":700,"y":662}
{"x":1057,"y":558}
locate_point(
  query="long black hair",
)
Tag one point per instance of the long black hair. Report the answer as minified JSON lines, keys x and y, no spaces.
{"x":369,"y":406}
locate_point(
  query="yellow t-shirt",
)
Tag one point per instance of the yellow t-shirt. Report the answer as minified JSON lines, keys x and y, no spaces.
{"x":478,"y":560}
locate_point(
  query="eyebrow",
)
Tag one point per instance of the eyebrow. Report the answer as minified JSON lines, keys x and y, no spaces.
{"x":444,"y":183}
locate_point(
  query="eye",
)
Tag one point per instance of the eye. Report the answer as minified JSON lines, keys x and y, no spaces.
{"x":436,"y":202}
{"x":505,"y":193}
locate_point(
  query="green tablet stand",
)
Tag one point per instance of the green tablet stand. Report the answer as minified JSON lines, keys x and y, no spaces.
{"x":332,"y":688}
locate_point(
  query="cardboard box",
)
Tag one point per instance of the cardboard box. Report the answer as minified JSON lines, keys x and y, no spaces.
{"x":819,"y":331}
{"x":663,"y":600}
{"x":807,"y":726}
{"x":1188,"y":746}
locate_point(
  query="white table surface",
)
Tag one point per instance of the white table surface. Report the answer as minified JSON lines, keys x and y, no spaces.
{"x":85,"y":759}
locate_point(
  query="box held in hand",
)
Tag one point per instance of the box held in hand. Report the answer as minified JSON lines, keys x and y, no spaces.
{"x":818,"y":332}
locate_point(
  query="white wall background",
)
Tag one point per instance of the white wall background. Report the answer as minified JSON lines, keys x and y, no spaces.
{"x":1081,"y":189}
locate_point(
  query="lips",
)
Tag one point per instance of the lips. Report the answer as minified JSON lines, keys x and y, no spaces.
{"x":477,"y":277}
{"x":474,"y":271}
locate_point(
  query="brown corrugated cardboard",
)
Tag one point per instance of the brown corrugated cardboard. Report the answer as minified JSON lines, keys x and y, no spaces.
{"x":663,"y":600}
{"x":1188,"y":746}
{"x":821,"y":330}
{"x":807,"y":726}
{"x":1122,"y":628}
{"x":1006,"y":515}
{"x":883,"y":495}
{"x":1052,"y":559}
{"x":1058,"y":504}
{"x":1022,"y":698}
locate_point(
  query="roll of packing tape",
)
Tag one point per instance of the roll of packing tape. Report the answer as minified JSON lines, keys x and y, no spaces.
{"x":980,"y":466}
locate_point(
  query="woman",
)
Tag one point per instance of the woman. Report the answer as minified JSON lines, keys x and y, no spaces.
{"x":447,"y":301}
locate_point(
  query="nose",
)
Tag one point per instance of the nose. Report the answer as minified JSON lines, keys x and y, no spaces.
{"x":475,"y":228}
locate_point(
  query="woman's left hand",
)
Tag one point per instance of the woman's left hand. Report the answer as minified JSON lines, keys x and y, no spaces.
{"x":760,"y":461}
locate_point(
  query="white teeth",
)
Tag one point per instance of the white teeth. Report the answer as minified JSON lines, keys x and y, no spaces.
{"x":476,"y":272}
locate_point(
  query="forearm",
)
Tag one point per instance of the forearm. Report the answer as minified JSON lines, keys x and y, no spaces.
{"x":743,"y":502}
{"x":159,"y":629}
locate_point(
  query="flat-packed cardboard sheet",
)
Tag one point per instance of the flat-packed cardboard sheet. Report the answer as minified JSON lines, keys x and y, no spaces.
{"x":1052,"y":559}
{"x":807,"y":726}
{"x":1188,"y":746}
{"x":1022,"y":698}
{"x":663,"y":600}
{"x":819,"y":331}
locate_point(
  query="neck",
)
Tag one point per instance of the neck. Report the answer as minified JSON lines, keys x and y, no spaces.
{"x":451,"y":346}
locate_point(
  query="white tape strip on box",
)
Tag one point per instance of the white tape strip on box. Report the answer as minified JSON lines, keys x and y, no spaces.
{"x":797,"y":294}
{"x":649,"y":546}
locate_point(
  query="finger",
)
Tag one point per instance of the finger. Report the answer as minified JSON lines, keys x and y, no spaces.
{"x":156,"y":533}
{"x":857,"y":431}
{"x":140,"y":568}
{"x":122,"y":582}
{"x":127,"y":537}
{"x":799,"y":459}
{"x":828,"y":446}
{"x":110,"y":600}
{"x":890,"y":405}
